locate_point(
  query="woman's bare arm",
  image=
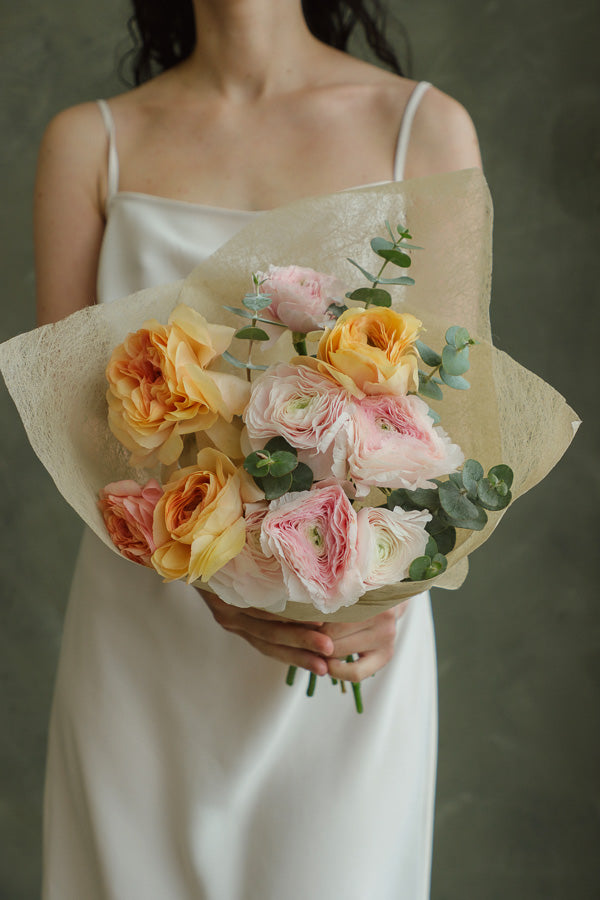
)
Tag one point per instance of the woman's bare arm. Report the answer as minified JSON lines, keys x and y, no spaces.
{"x":68,"y":216}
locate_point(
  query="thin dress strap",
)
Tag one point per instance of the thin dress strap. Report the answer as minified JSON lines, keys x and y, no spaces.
{"x":405,"y":128}
{"x":113,"y":159}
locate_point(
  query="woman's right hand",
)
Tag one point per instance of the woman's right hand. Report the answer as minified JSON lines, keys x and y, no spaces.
{"x":295,"y":643}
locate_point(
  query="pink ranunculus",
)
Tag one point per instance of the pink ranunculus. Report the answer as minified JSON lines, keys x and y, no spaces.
{"x":251,"y":578}
{"x":392,"y":442}
{"x":313,"y":534}
{"x":128,"y":510}
{"x":301,"y":296}
{"x":305,"y":408}
{"x":388,"y":541}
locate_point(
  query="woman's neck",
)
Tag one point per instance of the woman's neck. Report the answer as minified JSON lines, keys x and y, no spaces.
{"x":250,"y":48}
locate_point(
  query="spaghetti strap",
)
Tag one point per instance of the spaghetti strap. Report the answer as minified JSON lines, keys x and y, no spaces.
{"x":405,"y":128}
{"x":113,"y":159}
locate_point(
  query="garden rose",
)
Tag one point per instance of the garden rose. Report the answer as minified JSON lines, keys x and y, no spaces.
{"x":300,"y":295}
{"x":313,"y":535}
{"x":388,"y":541}
{"x":160,"y":388}
{"x":370,"y":351}
{"x":127,"y":509}
{"x":199,"y":522}
{"x":392,"y":442}
{"x":305,"y":408}
{"x":251,"y":578}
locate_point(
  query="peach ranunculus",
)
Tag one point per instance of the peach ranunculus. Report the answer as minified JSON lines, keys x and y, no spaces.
{"x":301,"y":296}
{"x":370,"y":351}
{"x":392,"y":442}
{"x":128,"y":509}
{"x":199,"y":520}
{"x":305,"y":408}
{"x":160,"y":386}
{"x":251,"y":578}
{"x":388,"y":541}
{"x":313,"y":534}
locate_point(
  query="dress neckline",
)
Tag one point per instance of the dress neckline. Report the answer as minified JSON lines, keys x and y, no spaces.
{"x":171,"y":201}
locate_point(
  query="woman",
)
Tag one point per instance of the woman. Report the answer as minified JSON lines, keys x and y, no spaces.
{"x":179,"y":764}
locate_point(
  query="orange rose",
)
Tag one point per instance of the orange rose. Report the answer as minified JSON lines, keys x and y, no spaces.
{"x":160,"y":388}
{"x":370,"y":351}
{"x":199,"y":520}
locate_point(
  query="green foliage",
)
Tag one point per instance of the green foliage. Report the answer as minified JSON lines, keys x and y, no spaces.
{"x":455,"y":362}
{"x":425,"y":567}
{"x":276,"y":469}
{"x":251,"y":333}
{"x":429,"y":387}
{"x":257,"y":301}
{"x":336,"y":309}
{"x":371,"y":296}
{"x":242,"y":365}
{"x":248,"y":315}
{"x":429,"y":356}
{"x":454,"y":381}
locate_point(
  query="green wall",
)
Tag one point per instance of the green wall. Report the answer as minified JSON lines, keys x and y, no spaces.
{"x":519,"y":645}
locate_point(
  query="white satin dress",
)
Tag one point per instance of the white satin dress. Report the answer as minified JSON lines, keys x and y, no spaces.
{"x":180,"y":765}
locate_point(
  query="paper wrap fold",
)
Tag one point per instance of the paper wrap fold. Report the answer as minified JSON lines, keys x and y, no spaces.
{"x":55,"y":374}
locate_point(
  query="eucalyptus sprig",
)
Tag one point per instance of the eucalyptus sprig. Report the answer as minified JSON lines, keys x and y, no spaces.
{"x":448,"y":367}
{"x":277,"y":470}
{"x":253,"y":302}
{"x":391,"y":251}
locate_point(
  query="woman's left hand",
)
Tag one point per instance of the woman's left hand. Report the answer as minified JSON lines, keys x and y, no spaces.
{"x":372,"y":640}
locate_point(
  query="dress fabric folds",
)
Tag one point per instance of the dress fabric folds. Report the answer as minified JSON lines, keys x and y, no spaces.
{"x":180,"y":765}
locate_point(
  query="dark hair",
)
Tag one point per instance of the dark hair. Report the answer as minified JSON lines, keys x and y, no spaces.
{"x":163,"y":33}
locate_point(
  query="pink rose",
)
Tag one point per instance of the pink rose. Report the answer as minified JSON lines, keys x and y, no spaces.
{"x":392,"y":442}
{"x":301,"y":296}
{"x":128,"y":511}
{"x":388,"y":541}
{"x":251,"y":578}
{"x":313,"y":535}
{"x":305,"y":408}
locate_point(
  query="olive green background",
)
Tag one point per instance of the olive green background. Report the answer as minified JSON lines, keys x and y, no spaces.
{"x":518,"y":800}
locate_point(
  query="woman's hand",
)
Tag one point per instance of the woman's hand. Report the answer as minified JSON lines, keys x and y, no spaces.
{"x":315,"y":646}
{"x":302,"y":644}
{"x":373,"y":640}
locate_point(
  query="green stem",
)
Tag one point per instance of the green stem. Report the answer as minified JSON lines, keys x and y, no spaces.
{"x":299,"y":342}
{"x":356,"y":690}
{"x":291,"y":674}
{"x":312,"y":683}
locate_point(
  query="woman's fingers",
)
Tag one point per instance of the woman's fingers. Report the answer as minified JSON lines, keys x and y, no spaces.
{"x":290,"y":655}
{"x":365,"y":666}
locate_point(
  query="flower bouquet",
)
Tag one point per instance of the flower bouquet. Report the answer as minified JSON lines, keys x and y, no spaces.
{"x":327,"y":483}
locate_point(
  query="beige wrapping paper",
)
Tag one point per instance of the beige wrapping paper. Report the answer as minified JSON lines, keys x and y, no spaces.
{"x":55,"y":374}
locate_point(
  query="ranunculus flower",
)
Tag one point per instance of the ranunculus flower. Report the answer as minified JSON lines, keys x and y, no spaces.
{"x":301,"y":297}
{"x":388,"y":541}
{"x":251,"y":578}
{"x":128,"y":509}
{"x":160,"y":388}
{"x":199,"y":520}
{"x":392,"y":442}
{"x":305,"y":408}
{"x":313,"y":535}
{"x":370,"y":351}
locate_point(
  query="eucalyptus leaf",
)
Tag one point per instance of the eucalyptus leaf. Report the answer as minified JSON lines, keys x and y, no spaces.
{"x":432,"y":548}
{"x":226,"y":355}
{"x":282,"y":463}
{"x":472,"y":472}
{"x":250,"y":333}
{"x":455,"y":362}
{"x":398,"y":497}
{"x":375,"y":296}
{"x":401,"y":279}
{"x":257,"y":301}
{"x":278,"y":443}
{"x":402,"y":260}
{"x":490,"y":497}
{"x":435,"y":416}
{"x":457,"y":336}
{"x":275,"y":487}
{"x":302,"y":477}
{"x":406,"y":246}
{"x":502,"y":473}
{"x":439,"y":564}
{"x":257,"y":463}
{"x":456,"y":503}
{"x":428,"y":388}
{"x":429,"y":356}
{"x":379,"y":243}
{"x":454,"y":381}
{"x":249,"y":315}
{"x":424,"y":498}
{"x":457,"y":479}
{"x":419,"y":568}
{"x":367,"y":275}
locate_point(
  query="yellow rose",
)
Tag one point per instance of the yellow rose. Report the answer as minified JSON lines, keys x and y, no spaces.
{"x":160,"y":388}
{"x":370,"y":351}
{"x":199,"y":520}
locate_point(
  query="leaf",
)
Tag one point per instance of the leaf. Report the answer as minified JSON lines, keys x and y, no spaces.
{"x":428,"y":388}
{"x":456,"y":478}
{"x":398,"y":497}
{"x":455,"y":362}
{"x":490,"y":497}
{"x":252,"y":334}
{"x":406,"y":246}
{"x":402,"y":279}
{"x":278,"y":443}
{"x":454,"y":381}
{"x":248,"y":315}
{"x":432,"y":548}
{"x":379,"y":243}
{"x":419,"y":568}
{"x":424,"y":498}
{"x":456,"y":503}
{"x":302,"y":477}
{"x":502,"y":473}
{"x":472,"y":472}
{"x":429,"y":356}
{"x":367,"y":275}
{"x":257,"y":463}
{"x":257,"y":301}
{"x":457,"y":336}
{"x":435,"y":416}
{"x":275,"y":487}
{"x":397,"y":257}
{"x":282,"y":463}
{"x":226,"y":355}
{"x":375,"y":296}
{"x":336,"y":309}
